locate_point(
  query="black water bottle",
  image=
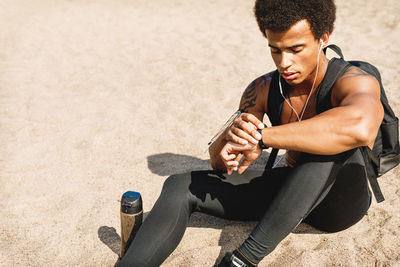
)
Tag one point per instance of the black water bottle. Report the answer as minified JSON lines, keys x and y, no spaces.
{"x":131,"y":218}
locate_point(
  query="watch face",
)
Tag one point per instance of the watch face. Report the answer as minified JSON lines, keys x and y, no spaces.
{"x":227,"y":124}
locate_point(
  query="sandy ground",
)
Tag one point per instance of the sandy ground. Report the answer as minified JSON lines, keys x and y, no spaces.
{"x":99,"y":97}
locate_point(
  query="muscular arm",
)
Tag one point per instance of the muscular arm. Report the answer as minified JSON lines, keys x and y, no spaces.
{"x":354,"y":121}
{"x":253,"y":101}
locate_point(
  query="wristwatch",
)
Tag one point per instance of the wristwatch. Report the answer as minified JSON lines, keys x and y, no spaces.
{"x":260,"y":142}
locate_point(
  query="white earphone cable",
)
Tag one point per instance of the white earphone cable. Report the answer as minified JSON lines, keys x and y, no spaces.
{"x":299,"y":118}
{"x":308,"y":98}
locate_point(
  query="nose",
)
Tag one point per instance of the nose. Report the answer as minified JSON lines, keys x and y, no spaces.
{"x":286,"y":60}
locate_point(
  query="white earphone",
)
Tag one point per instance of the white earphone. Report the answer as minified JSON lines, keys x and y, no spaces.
{"x":312,"y":88}
{"x":322,"y":45}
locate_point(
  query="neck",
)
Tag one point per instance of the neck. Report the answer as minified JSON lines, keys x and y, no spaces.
{"x":306,"y":85}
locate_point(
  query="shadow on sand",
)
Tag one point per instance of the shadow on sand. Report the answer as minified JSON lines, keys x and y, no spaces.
{"x":233,"y":232}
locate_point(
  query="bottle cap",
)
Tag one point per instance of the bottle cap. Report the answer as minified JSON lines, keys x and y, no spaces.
{"x":131,"y":202}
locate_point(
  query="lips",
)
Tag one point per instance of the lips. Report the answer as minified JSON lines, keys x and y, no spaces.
{"x":289,"y":75}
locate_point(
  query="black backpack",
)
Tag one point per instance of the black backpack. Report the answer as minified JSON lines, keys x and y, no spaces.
{"x":385,"y":154}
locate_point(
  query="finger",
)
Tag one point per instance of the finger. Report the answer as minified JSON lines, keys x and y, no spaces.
{"x":227,"y":157}
{"x":230,"y":136}
{"x":238,"y":134}
{"x":242,"y":131}
{"x":236,"y":148}
{"x":232,"y":156}
{"x":249,"y":128}
{"x":243,"y":166}
{"x":226,"y":151}
{"x":244,"y":125}
{"x":253,"y":119}
{"x":229,"y":160}
{"x":232,"y":164}
{"x":230,"y":170}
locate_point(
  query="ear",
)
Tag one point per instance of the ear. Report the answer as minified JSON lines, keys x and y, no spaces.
{"x":325,"y":39}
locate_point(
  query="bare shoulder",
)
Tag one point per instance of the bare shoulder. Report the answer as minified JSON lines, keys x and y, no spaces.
{"x":254,"y":98}
{"x":355,"y":81}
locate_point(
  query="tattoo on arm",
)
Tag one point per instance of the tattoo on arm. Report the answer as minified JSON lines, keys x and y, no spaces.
{"x":249,"y":97}
{"x":354,"y":71}
{"x":264,"y":77}
{"x":250,"y":94}
{"x":267,"y":77}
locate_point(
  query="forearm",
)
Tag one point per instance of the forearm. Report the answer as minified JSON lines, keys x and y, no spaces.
{"x":214,"y":151}
{"x":242,"y":132}
{"x":331,"y":132}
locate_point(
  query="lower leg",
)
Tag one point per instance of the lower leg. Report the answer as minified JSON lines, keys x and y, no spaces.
{"x":209,"y":192}
{"x":164,"y":226}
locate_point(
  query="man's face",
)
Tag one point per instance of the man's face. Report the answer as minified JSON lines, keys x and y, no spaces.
{"x":294,"y":52}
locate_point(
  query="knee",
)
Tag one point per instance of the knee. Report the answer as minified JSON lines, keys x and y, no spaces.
{"x":176,"y":182}
{"x":176,"y":189}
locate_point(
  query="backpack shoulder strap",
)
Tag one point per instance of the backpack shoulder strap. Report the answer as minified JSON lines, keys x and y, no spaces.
{"x":336,"y":68}
{"x":336,"y":49}
{"x":274,"y":112}
{"x":371,"y":163}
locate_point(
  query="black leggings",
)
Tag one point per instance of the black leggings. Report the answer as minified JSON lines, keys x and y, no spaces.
{"x":328,"y":192}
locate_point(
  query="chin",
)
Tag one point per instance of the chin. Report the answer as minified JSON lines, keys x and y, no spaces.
{"x":294,"y":82}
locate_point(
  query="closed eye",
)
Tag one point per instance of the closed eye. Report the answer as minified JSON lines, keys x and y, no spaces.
{"x":275,"y":50}
{"x":296,"y":48}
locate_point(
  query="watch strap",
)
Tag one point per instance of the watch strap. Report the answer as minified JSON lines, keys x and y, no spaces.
{"x":260,"y":142}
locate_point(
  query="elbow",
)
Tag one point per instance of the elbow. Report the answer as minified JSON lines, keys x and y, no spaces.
{"x":367,"y":127}
{"x":360,"y":126}
{"x":364,"y":134}
{"x":362,"y":137}
{"x":213,"y":161}
{"x":217,"y":166}
{"x":213,"y":164}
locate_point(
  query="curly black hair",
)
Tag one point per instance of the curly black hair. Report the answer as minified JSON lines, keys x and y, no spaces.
{"x":280,"y":15}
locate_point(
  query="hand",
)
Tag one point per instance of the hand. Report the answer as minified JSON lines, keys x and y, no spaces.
{"x":244,"y":130}
{"x":232,"y":153}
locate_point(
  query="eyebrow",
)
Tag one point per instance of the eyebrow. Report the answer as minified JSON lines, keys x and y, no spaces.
{"x":290,"y":47}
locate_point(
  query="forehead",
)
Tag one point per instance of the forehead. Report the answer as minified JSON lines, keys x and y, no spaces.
{"x":299,"y":32}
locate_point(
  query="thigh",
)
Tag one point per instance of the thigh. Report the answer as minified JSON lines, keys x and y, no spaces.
{"x":237,"y":197}
{"x":305,"y":185}
{"x":347,"y":201}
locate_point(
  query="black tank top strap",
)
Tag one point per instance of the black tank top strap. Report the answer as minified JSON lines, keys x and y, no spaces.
{"x":275,"y":101}
{"x":336,"y":68}
{"x":274,"y":112}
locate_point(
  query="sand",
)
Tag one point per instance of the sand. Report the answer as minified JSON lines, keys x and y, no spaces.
{"x":99,"y":97}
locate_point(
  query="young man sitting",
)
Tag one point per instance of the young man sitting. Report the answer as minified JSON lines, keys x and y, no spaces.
{"x":324,"y":183}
